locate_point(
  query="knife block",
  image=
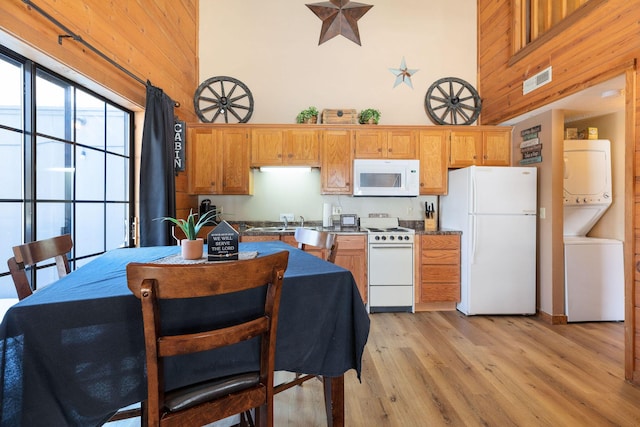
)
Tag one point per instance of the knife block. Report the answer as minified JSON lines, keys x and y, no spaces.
{"x":430,"y":224}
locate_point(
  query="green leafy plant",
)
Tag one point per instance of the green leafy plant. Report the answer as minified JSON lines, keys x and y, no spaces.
{"x":369,"y":114}
{"x":190,"y":227}
{"x":304,"y":115}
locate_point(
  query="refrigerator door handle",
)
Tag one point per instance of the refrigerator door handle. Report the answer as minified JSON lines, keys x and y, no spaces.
{"x":474,"y":238}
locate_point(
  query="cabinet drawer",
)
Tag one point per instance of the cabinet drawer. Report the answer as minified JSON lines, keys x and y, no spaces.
{"x":440,"y":274}
{"x":351,"y":242}
{"x":440,"y":292}
{"x":448,"y":241}
{"x":438,"y":256}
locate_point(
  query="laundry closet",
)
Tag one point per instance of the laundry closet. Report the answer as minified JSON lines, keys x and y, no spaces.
{"x":594,"y":267}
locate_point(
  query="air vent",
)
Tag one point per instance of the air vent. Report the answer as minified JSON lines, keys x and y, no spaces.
{"x":533,"y":83}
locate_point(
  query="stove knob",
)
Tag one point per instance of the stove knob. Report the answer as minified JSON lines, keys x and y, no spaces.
{"x":384,"y":237}
{"x":391,"y":238}
{"x":376,"y":237}
{"x":406,"y":237}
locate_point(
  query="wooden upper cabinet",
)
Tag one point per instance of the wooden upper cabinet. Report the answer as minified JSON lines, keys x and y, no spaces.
{"x":465,"y":148}
{"x":204,"y":173}
{"x":433,"y":151}
{"x":266,"y":147}
{"x":496,"y":148}
{"x":235,"y":156}
{"x":336,"y":168}
{"x":302,"y":147}
{"x":218,"y":161}
{"x":285,"y":147}
{"x":401,"y":144}
{"x":481,"y":147}
{"x":385,"y":144}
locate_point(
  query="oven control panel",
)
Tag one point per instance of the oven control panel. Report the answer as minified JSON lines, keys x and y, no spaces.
{"x":390,"y":238}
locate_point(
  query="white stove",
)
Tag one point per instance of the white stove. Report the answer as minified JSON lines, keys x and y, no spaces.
{"x":386,"y":230}
{"x":390,"y":265}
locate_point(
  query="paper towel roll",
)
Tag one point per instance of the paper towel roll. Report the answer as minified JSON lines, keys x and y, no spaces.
{"x":326,"y":215}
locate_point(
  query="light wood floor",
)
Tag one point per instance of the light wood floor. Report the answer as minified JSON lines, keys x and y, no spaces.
{"x":447,"y":369}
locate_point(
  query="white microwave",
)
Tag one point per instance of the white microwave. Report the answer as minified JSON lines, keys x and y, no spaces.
{"x":386,"y":177}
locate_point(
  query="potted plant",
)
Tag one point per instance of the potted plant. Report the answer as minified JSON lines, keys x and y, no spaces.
{"x":192,"y":247}
{"x":310,"y":115}
{"x":369,"y":116}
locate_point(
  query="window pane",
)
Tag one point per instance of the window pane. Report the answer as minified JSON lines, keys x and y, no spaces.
{"x":117,"y":225}
{"x":54,"y":172}
{"x":90,"y":116}
{"x":11,"y":93}
{"x":117,"y":178}
{"x":53,"y":219}
{"x":89,"y":174}
{"x":89,"y":236}
{"x":7,"y":289}
{"x":51,"y":117}
{"x":46,"y":276}
{"x":12,"y":165}
{"x":117,"y":131}
{"x":11,"y":228}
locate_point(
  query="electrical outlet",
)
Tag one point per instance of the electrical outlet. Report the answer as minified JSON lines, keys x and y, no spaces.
{"x":287,"y":216}
{"x":337,"y":210}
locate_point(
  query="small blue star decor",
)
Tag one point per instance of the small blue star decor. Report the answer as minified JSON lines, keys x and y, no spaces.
{"x":403,"y":74}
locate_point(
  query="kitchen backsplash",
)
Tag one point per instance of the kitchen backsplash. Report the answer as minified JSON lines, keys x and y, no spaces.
{"x":299,"y":194}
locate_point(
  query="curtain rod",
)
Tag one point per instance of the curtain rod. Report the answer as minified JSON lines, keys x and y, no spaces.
{"x":70,"y":34}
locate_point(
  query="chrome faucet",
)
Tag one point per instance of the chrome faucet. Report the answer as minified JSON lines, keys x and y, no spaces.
{"x":286,"y":223}
{"x":301,"y":221}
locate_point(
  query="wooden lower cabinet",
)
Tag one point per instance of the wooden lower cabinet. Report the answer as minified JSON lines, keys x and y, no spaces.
{"x":439,"y":276}
{"x":351,"y":254}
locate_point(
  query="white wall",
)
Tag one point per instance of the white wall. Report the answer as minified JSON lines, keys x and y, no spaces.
{"x":272,"y":47}
{"x":276,"y":193}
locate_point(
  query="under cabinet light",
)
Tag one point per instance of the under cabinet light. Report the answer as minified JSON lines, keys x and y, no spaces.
{"x":286,"y":169}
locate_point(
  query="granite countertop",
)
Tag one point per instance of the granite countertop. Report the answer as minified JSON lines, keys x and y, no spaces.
{"x":258,"y":228}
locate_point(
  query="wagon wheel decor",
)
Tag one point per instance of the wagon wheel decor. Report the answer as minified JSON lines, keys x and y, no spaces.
{"x":223,"y":98}
{"x":452,"y":101}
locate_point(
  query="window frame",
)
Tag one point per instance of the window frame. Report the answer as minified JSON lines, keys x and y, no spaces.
{"x":31,"y":71}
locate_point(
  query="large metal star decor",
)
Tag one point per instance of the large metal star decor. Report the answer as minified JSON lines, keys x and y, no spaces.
{"x":339,"y":17}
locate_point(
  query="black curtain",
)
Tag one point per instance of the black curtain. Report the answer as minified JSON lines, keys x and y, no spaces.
{"x":157,"y":177}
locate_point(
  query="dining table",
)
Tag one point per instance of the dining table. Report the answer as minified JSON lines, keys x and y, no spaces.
{"x":72,"y":354}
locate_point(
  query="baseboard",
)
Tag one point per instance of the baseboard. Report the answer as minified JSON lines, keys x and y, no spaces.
{"x":552,"y":319}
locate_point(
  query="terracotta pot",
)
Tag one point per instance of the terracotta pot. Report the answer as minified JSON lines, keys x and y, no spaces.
{"x":192,"y":249}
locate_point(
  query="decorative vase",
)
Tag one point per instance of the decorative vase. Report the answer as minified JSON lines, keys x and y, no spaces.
{"x":311,"y":120}
{"x":192,"y":249}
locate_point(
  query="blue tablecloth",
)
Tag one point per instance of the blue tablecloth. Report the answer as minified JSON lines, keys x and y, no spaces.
{"x":73,"y":353}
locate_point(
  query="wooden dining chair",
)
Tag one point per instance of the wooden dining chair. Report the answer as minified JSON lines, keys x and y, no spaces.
{"x":211,"y":400}
{"x":32,"y":253}
{"x":309,"y":239}
{"x":29,"y":254}
{"x":324,"y":240}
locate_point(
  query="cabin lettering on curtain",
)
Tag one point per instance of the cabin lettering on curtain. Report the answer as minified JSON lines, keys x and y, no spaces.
{"x":178,"y":145}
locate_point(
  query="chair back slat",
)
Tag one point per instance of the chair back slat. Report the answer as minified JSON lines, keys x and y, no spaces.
{"x":318,"y":239}
{"x":32,"y":253}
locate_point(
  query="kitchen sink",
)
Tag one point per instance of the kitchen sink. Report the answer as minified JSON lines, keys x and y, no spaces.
{"x":279,"y":229}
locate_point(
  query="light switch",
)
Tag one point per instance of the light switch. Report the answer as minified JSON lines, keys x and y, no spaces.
{"x":543,"y":213}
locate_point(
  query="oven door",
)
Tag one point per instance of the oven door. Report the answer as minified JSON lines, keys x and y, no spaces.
{"x":391,"y":277}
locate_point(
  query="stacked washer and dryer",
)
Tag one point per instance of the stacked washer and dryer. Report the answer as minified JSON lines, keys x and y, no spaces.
{"x":594,"y":267}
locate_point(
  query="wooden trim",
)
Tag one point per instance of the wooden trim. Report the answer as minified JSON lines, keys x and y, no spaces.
{"x":521,"y":52}
{"x":629,"y":226}
{"x":552,"y":319}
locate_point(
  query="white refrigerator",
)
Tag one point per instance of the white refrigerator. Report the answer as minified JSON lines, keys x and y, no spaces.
{"x":495,"y":208}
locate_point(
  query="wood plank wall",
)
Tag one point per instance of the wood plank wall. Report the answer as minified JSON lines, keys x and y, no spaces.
{"x":600,"y":45}
{"x":155,"y":40}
